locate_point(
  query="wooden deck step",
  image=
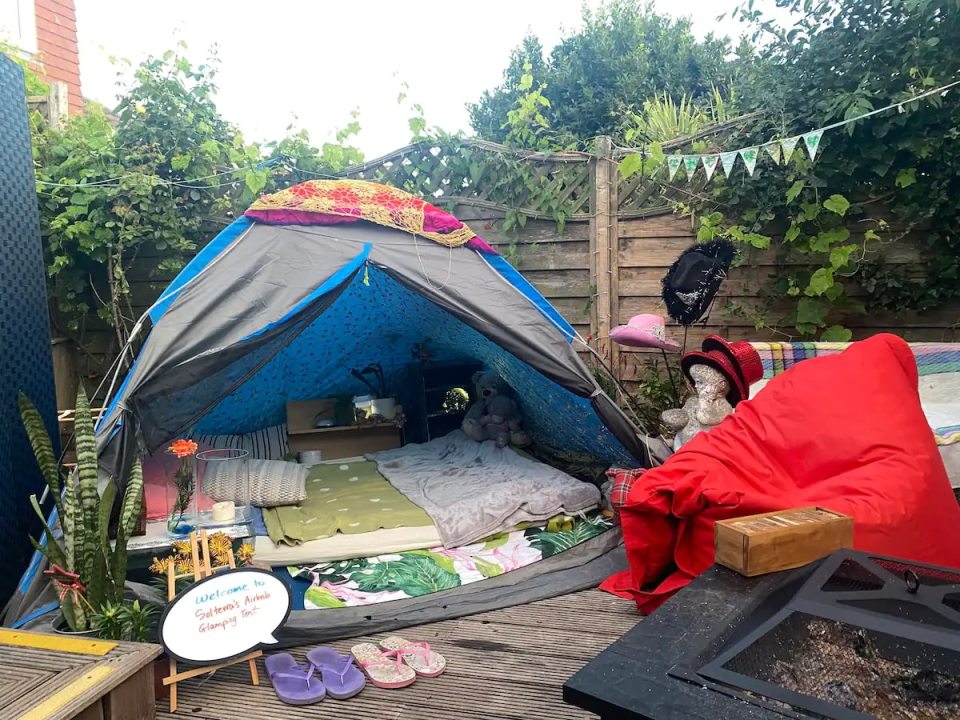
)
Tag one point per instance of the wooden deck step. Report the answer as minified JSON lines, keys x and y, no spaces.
{"x":503,"y":665}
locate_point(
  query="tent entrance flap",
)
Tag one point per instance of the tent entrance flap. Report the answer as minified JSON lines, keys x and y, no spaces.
{"x":168,"y":410}
{"x":378,"y":320}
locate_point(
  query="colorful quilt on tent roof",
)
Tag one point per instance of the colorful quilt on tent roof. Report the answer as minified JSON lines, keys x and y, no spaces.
{"x":329,"y":202}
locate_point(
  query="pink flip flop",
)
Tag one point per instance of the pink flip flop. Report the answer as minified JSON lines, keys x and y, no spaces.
{"x":418,"y":655}
{"x":385,"y":669}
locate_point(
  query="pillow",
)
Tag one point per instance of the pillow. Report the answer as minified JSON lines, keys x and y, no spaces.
{"x":272,"y":482}
{"x":266,"y":444}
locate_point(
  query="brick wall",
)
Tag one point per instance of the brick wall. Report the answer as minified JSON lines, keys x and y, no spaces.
{"x":57,"y":46}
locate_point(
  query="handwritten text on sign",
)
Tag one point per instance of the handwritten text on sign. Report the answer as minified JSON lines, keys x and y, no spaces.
{"x":225,"y":616}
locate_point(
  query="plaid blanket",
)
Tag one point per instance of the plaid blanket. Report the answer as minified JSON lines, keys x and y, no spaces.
{"x":932,"y":359}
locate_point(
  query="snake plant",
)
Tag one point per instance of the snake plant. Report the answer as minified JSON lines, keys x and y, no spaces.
{"x":86,"y":570}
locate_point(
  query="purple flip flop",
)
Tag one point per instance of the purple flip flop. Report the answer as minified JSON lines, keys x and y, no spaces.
{"x":341,"y":677}
{"x":293,"y":683}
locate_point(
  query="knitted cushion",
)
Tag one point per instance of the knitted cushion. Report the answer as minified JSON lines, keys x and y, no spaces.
{"x":272,"y":482}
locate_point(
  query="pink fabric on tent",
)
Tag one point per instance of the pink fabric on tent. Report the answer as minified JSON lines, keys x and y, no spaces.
{"x":434,"y":220}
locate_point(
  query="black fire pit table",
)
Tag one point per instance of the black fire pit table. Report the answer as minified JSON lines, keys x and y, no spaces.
{"x":852,"y":637}
{"x":631,"y":679}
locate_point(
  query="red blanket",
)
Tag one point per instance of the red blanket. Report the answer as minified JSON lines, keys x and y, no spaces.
{"x":845,"y":432}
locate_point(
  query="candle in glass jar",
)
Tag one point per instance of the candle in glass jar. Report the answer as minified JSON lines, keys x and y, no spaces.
{"x":223,"y":512}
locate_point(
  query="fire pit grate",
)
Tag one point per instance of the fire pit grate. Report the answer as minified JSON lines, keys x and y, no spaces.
{"x":863,"y":637}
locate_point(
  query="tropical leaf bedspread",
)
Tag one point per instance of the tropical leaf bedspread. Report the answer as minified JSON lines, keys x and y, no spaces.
{"x":367,"y":581}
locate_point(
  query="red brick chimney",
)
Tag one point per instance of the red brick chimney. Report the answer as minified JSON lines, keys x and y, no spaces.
{"x":57,"y":46}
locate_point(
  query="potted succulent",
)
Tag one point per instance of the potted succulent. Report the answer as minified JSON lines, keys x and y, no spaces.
{"x":85,"y":570}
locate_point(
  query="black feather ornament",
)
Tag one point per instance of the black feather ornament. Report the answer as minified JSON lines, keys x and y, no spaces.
{"x":694,"y":279}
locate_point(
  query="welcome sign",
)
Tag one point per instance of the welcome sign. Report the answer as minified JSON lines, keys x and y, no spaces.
{"x":225,"y":616}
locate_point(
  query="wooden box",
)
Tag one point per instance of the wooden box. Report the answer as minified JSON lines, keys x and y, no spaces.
{"x":335,"y":442}
{"x":759,"y":544}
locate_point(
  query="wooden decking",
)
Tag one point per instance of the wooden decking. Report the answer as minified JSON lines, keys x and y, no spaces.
{"x":508,"y":664}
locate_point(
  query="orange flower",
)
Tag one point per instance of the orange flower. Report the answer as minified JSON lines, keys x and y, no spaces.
{"x":184,"y":448}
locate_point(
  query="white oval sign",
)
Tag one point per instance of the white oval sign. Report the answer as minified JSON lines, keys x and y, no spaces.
{"x":225,"y":616}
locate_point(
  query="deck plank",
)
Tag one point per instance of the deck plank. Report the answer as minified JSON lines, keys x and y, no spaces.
{"x":502,"y":665}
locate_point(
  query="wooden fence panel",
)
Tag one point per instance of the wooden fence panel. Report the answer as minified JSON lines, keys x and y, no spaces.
{"x":607,"y":262}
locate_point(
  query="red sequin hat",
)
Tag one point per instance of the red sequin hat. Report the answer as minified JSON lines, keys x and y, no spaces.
{"x":739,"y":362}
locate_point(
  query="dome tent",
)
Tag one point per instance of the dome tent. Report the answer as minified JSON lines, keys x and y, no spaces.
{"x":332,"y":275}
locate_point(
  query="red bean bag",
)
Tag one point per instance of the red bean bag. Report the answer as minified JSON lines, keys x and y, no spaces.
{"x":845,"y":432}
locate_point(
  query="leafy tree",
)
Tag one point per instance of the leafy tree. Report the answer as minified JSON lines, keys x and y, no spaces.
{"x":162,"y":176}
{"x":835,"y":60}
{"x":624,"y":54}
{"x":489,"y":115}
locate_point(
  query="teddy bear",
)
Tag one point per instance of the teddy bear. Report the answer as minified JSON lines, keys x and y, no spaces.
{"x":495,"y":415}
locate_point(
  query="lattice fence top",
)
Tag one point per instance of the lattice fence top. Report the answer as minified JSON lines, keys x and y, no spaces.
{"x":547,"y":185}
{"x":484,"y":174}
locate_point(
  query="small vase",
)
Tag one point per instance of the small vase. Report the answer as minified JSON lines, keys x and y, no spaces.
{"x":181,"y":494}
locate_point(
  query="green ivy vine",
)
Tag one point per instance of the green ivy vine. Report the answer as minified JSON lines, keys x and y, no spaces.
{"x":890,"y":181}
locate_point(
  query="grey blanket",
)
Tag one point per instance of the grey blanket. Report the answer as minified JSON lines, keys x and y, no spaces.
{"x":471,"y":490}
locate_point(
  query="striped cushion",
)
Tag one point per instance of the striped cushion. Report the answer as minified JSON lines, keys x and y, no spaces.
{"x":266,"y":444}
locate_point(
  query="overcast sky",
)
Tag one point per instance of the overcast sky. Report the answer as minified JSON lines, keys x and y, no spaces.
{"x":310,"y":62}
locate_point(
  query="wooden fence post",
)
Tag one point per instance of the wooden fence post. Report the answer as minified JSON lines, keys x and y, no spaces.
{"x":53,"y":106}
{"x":604,"y":252}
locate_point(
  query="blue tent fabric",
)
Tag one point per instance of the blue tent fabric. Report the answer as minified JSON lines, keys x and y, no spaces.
{"x":266,"y":314}
{"x":378,"y":320}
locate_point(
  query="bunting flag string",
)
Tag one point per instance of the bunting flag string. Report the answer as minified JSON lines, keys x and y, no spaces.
{"x":673,"y":164}
{"x":789,"y":145}
{"x":727,"y":159}
{"x":710,"y":164}
{"x":781,"y":150}
{"x":749,"y":156}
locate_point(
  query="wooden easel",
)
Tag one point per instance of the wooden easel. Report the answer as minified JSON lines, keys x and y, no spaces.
{"x":202,"y":568}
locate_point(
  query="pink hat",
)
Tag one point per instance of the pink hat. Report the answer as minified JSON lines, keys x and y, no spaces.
{"x":644,"y":331}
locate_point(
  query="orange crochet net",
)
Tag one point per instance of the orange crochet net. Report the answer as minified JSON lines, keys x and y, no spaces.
{"x":362,"y":200}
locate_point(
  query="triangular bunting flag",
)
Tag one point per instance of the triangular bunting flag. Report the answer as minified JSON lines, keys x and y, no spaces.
{"x":749,"y":156}
{"x":727,"y":159}
{"x":690,"y":163}
{"x":812,"y":141}
{"x":710,"y":164}
{"x":673,"y":164}
{"x":773,"y":150}
{"x":788,"y":145}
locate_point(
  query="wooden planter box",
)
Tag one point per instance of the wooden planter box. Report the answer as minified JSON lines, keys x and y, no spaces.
{"x":56,"y":677}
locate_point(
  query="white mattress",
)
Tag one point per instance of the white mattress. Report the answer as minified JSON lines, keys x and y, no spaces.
{"x":346,"y":547}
